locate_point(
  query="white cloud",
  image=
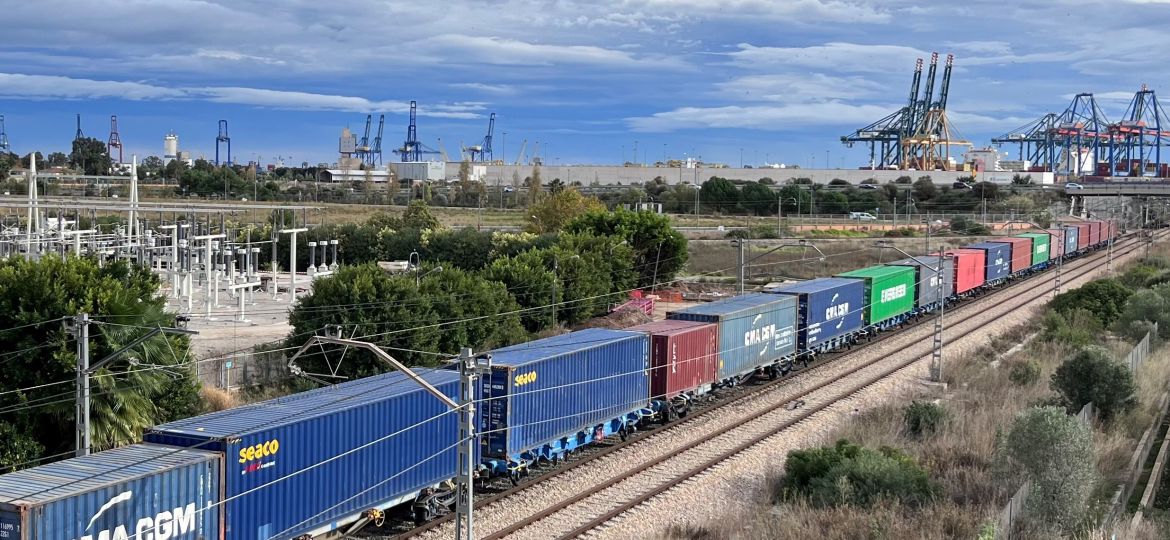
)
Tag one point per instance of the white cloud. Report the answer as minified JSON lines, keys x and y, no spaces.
{"x":17,"y":85}
{"x":496,"y":89}
{"x":762,"y":117}
{"x":501,"y":51}
{"x":837,"y":57}
{"x":799,"y":87}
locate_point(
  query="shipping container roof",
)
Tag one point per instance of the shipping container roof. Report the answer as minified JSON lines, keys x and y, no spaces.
{"x":1043,"y":235}
{"x":813,"y":286}
{"x":668,"y":327}
{"x":540,"y":349}
{"x":928,"y":260}
{"x":877,"y":272}
{"x":82,"y":474}
{"x":303,"y":405}
{"x":735,"y":304}
{"x":986,"y":245}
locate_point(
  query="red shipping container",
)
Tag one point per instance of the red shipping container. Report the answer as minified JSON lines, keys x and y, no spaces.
{"x":970,"y":268}
{"x":1021,"y":252}
{"x":1094,"y":233}
{"x":684,"y":356}
{"x":1056,"y":245}
{"x":1082,"y":235}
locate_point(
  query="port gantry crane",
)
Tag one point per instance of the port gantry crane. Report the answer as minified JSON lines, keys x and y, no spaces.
{"x":483,"y":151}
{"x":1070,"y":143}
{"x":917,"y":136}
{"x":412,"y":149}
{"x":1135,"y":143}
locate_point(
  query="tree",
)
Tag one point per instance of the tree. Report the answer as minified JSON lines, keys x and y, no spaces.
{"x":986,"y":190}
{"x":532,"y":282}
{"x":839,"y":182}
{"x":1104,"y":298}
{"x":89,"y":156}
{"x":832,"y":202}
{"x":152,"y":165}
{"x":1054,"y":451}
{"x":1024,"y":180}
{"x":534,"y":186}
{"x":1146,"y":306}
{"x":551,"y":214}
{"x":758,"y":199}
{"x":659,"y":250}
{"x":719,"y":193}
{"x":655,"y":187}
{"x":57,"y":159}
{"x":418,"y":216}
{"x":924,"y":189}
{"x":484,"y":314}
{"x":34,"y":295}
{"x":1091,"y":375}
{"x":464,"y":248}
{"x":795,"y":199}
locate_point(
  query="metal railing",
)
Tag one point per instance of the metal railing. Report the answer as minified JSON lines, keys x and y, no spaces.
{"x":1140,"y":351}
{"x":1013,"y":511}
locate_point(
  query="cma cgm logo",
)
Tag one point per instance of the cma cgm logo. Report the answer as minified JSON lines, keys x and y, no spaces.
{"x":839,"y":310}
{"x":172,"y":524}
{"x":759,"y":336}
{"x":1000,"y":262}
{"x":893,"y":293}
{"x":1041,"y":249}
{"x":254,"y":456}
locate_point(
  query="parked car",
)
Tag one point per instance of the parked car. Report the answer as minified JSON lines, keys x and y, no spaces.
{"x":862,"y":216}
{"x":961,"y":185}
{"x":1073,"y":185}
{"x":869,"y":186}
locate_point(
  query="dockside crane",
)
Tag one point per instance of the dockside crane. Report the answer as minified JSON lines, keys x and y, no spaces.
{"x":1036,"y":140}
{"x":520,"y":155}
{"x":412,"y":149}
{"x":223,"y":137}
{"x":79,"y":134}
{"x":376,"y":152}
{"x":363,"y":147}
{"x":1082,"y":137}
{"x":483,"y":150}
{"x":3,"y":136}
{"x":1136,"y":141}
{"x":115,"y":140}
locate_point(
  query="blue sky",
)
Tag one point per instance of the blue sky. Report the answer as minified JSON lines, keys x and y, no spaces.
{"x":783,"y":80}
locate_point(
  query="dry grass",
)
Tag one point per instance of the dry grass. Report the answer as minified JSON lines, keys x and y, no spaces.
{"x":215,"y":399}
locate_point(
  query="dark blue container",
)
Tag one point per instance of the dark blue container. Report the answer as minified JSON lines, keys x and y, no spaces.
{"x":159,"y":490}
{"x":1071,"y":237}
{"x":754,"y":330}
{"x":827,"y":308}
{"x":545,"y":391}
{"x":311,"y":462}
{"x":926,"y":278}
{"x":999,"y":259}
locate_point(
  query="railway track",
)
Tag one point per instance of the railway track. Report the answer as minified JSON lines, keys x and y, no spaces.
{"x":628,"y":474}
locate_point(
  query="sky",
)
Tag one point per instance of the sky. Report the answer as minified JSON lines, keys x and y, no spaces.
{"x":753,"y":80}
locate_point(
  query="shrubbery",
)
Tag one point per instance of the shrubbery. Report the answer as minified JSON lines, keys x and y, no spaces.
{"x":923,"y":418}
{"x":1104,"y":298}
{"x":848,"y":474}
{"x":1024,"y":373}
{"x":1091,"y":375}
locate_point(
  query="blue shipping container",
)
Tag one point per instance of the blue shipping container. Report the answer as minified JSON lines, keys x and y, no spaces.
{"x":1071,"y":236}
{"x":311,"y":462}
{"x":999,"y":259}
{"x":145,"y":489}
{"x":828,"y":308}
{"x":754,"y":330}
{"x":549,"y":389}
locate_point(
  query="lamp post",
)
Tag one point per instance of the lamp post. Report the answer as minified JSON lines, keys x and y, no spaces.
{"x":780,"y":211}
{"x":936,"y":355}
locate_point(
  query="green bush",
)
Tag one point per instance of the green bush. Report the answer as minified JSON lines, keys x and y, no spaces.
{"x":923,"y":418}
{"x":1091,"y":375}
{"x":901,"y":232}
{"x":1077,"y":327}
{"x":1025,"y":373}
{"x":1104,"y":298}
{"x":849,"y":474}
{"x":968,"y":226}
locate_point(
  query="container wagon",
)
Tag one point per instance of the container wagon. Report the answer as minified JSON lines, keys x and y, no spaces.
{"x":998,"y":261}
{"x":889,"y":292}
{"x":1021,"y":252}
{"x":970,"y":269}
{"x":309,"y":463}
{"x":1041,"y":248}
{"x":684,"y":359}
{"x":926,"y":280}
{"x":1058,"y":243}
{"x":1094,"y":233}
{"x":1084,"y":235}
{"x":757,"y":334}
{"x":829,"y":312}
{"x":140,"y":491}
{"x":551,"y":396}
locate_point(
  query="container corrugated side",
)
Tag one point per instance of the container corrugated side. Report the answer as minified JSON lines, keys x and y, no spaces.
{"x":1071,"y":238}
{"x":1056,"y":247}
{"x":684,"y":356}
{"x":160,"y":490}
{"x":1021,"y":252}
{"x":308,"y":462}
{"x":1084,"y":235}
{"x":827,"y":308}
{"x":970,"y":268}
{"x":1040,"y":246}
{"x":926,"y":278}
{"x":547,"y":389}
{"x":754,"y":330}
{"x":1094,"y":233}
{"x":999,"y":259}
{"x":890,"y":291}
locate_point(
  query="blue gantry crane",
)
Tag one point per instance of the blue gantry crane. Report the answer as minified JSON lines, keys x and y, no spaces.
{"x":376,"y":151}
{"x":115,"y":140}
{"x":362,"y":151}
{"x":1136,"y":141}
{"x":222,"y":137}
{"x":4,"y":136}
{"x":483,"y":151}
{"x":1036,"y":140}
{"x":412,"y":149}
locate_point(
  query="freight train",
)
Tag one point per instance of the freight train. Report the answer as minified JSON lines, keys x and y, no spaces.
{"x":314,"y":464}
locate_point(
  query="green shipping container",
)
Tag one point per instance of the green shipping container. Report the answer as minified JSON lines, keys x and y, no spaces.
{"x":1041,"y":251}
{"x":889,"y":291}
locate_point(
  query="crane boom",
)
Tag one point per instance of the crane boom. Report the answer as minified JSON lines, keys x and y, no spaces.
{"x":520,"y":155}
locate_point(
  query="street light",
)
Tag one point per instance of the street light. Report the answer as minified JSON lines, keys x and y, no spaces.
{"x":936,"y":355}
{"x":780,"y":211}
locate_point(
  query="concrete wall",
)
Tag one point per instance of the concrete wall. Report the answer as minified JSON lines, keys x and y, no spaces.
{"x":612,"y":175}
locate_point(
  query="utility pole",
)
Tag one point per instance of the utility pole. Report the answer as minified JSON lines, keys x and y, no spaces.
{"x":936,"y":353}
{"x":80,"y":326}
